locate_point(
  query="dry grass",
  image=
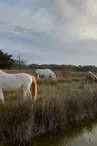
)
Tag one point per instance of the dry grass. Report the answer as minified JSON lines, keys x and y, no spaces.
{"x":57,"y":108}
{"x":60,"y":105}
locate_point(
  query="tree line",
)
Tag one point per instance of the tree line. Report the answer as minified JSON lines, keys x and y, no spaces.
{"x":79,"y":68}
{"x":7,"y":61}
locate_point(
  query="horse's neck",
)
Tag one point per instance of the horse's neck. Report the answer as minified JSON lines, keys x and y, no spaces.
{"x":2,"y":72}
{"x":92,"y":75}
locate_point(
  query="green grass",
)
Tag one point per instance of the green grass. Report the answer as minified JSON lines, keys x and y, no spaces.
{"x":60,"y":104}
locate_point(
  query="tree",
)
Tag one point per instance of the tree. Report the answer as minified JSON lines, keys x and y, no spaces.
{"x":20,"y":62}
{"x":6,"y":60}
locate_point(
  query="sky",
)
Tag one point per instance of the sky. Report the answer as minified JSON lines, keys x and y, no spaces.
{"x":50,"y":31}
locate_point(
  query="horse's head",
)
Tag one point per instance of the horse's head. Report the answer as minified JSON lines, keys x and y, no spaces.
{"x":54,"y":76}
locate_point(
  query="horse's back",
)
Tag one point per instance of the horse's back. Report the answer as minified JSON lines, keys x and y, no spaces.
{"x":44,"y":72}
{"x":40,"y":71}
{"x":25,"y":78}
{"x":50,"y":71}
{"x":14,"y":81}
{"x":6,"y":77}
{"x":8,"y":81}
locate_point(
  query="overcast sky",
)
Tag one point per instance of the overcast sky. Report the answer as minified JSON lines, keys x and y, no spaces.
{"x":50,"y":31}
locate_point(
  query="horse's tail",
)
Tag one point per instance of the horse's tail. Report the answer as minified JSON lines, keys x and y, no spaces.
{"x":34,"y":88}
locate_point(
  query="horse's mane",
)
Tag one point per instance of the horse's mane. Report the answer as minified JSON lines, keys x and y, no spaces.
{"x":92,"y":74}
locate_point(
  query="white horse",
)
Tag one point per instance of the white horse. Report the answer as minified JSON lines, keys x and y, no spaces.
{"x":90,"y":76}
{"x":9,"y":82}
{"x":46,"y":73}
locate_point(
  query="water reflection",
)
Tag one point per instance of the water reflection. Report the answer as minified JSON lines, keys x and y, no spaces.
{"x":91,"y":137}
{"x":85,"y":135}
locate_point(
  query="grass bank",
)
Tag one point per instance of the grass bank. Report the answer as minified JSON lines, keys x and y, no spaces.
{"x":57,"y":108}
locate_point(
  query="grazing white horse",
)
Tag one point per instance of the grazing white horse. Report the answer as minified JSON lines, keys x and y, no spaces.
{"x":91,"y":76}
{"x":46,"y":73}
{"x":9,"y":82}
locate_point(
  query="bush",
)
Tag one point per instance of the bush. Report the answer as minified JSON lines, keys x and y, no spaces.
{"x":66,"y":72}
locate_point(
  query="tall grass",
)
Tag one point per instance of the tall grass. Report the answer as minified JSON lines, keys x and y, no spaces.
{"x":60,"y":104}
{"x":20,"y":122}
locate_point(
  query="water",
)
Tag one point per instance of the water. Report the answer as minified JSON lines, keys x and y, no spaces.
{"x":78,"y":136}
{"x":85,"y":135}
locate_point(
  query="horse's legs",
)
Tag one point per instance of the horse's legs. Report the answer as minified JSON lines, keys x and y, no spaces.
{"x":38,"y":76}
{"x":2,"y":96}
{"x":26,"y":92}
{"x":50,"y":77}
{"x":29,"y":93}
{"x":46,"y":77}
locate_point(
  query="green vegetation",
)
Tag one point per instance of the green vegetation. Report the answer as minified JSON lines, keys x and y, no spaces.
{"x":61,"y":103}
{"x":8,"y":61}
{"x":59,"y":106}
{"x":74,"y":68}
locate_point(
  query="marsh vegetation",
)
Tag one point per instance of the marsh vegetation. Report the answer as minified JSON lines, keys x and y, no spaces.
{"x":61,"y":104}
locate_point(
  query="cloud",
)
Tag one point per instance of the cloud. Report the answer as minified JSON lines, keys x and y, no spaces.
{"x":76,"y":19}
{"x":53,"y":31}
